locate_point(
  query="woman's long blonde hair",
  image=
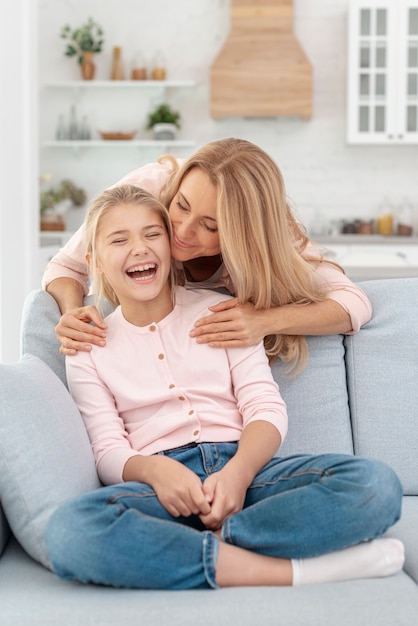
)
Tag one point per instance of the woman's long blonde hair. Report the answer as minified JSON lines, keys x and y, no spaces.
{"x":105,"y":202}
{"x":261,"y":242}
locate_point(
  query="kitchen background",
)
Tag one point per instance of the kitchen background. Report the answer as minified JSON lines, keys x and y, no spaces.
{"x":328,"y":179}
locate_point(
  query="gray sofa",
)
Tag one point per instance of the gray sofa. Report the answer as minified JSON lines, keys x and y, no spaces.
{"x":359,"y":395}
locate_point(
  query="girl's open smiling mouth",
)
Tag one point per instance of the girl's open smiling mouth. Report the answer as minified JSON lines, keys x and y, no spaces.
{"x":144,"y":271}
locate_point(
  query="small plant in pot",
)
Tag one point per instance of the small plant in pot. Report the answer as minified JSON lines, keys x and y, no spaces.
{"x":83,"y":43}
{"x":56,"y":201}
{"x":164,"y":122}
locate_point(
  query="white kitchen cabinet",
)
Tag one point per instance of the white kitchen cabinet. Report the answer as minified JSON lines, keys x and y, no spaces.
{"x":382,"y":72}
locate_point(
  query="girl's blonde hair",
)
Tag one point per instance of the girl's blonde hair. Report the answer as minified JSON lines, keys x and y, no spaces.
{"x":261,"y":242}
{"x":105,"y":202}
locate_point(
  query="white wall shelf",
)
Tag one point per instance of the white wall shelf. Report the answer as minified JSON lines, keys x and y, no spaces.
{"x":113,"y":84}
{"x":57,"y":237}
{"x":79,"y":145}
{"x":77,"y":87}
{"x":103,"y":143}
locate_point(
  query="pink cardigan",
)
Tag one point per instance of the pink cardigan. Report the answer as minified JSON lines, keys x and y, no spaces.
{"x":69,"y":261}
{"x":154,"y":388}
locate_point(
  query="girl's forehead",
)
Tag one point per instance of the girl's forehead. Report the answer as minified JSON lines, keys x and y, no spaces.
{"x":130,"y":213}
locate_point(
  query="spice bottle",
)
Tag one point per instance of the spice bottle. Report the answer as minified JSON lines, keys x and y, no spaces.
{"x":385,"y":219}
{"x":61,"y":131}
{"x":158,"y":71}
{"x":73,"y":127}
{"x":117,"y":67}
{"x":139,"y":69}
{"x":405,"y":218}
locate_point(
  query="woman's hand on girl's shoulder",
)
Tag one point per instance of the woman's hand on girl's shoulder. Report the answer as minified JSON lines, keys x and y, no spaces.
{"x":231,"y":325}
{"x":79,"y":328}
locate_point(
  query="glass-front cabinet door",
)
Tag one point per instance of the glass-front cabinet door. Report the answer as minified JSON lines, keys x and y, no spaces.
{"x":383,"y":71}
{"x":408,"y":71}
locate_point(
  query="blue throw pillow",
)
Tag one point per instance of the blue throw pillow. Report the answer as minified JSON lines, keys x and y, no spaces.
{"x":45,"y":453}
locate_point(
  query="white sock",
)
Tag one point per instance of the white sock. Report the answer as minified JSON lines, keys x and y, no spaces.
{"x":371,"y":559}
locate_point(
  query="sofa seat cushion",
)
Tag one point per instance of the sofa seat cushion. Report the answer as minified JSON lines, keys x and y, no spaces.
{"x":406,"y":531}
{"x":45,"y":453}
{"x":32,"y":596}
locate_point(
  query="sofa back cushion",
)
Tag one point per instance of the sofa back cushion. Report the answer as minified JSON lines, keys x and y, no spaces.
{"x":382,"y":370}
{"x":39,"y":317}
{"x":317,"y":400}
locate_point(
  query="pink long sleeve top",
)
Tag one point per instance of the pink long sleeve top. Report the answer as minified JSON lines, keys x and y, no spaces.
{"x":154,"y":388}
{"x":70,"y":260}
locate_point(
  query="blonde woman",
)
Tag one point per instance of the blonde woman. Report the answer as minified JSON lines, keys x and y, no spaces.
{"x":184,"y":438}
{"x":233,"y":229}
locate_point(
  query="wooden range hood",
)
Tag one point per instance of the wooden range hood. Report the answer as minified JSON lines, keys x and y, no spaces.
{"x":261,"y":71}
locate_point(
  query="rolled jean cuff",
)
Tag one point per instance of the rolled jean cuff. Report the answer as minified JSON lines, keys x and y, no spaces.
{"x":210,"y":548}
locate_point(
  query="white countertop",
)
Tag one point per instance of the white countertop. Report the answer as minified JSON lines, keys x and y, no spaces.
{"x":366,"y":239}
{"x":366,"y":257}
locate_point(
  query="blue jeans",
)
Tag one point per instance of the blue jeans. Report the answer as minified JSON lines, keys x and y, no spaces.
{"x":296,"y":507}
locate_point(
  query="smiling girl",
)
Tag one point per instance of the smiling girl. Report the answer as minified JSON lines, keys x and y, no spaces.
{"x":184,"y":437}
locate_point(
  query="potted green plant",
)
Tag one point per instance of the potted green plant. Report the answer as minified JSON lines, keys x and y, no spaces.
{"x":84,"y":42}
{"x":164,"y":122}
{"x":56,"y":201}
